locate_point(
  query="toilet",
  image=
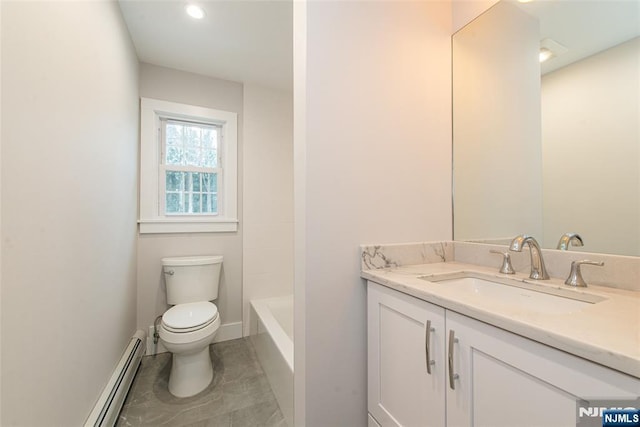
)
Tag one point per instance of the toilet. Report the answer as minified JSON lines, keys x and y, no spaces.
{"x":190,"y":325}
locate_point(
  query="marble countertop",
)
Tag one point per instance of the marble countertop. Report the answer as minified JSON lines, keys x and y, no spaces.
{"x":607,"y":332}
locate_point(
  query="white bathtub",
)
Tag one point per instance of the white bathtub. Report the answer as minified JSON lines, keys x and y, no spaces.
{"x":271,"y":333}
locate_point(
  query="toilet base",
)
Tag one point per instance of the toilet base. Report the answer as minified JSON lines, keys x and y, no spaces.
{"x":190,"y":373}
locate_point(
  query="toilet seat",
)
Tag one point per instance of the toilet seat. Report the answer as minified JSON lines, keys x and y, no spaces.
{"x":190,"y":317}
{"x":204,"y":333}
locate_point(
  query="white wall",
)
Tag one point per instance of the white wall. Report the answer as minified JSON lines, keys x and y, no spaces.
{"x":187,"y":88}
{"x":375,"y":145}
{"x":591,"y":151}
{"x":0,"y":209}
{"x":465,"y":11}
{"x":267,"y":268}
{"x":496,"y":127}
{"x":69,"y":161}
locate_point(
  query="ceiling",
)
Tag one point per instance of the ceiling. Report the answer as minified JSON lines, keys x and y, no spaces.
{"x":584,"y":27}
{"x":242,"y":41}
{"x":252,"y":41}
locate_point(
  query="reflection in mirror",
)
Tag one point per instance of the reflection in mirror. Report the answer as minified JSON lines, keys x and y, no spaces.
{"x":552,"y":154}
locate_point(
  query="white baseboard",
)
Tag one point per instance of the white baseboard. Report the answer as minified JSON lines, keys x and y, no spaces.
{"x":227,"y":331}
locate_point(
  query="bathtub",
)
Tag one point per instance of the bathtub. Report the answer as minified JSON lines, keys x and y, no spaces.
{"x":271,"y":332}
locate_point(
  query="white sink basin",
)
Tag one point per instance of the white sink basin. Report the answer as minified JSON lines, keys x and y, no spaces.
{"x":516,"y":293}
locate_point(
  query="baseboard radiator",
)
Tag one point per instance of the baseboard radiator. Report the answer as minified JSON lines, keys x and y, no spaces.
{"x":105,"y":412}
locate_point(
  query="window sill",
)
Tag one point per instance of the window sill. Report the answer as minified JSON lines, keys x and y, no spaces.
{"x":188,"y":225}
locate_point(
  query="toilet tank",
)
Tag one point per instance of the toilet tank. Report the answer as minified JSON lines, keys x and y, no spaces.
{"x":192,"y":279}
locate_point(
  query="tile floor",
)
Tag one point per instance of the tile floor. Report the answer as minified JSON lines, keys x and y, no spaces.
{"x":239,"y":394}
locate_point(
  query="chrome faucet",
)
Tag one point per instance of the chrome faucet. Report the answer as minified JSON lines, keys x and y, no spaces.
{"x":538,"y":270}
{"x":569,"y":239}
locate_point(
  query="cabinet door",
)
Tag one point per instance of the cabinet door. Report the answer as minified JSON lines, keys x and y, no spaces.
{"x":401,"y":391}
{"x":504,"y":379}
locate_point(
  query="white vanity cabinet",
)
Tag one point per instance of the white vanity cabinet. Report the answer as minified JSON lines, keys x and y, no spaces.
{"x":493,"y":377}
{"x":406,"y":339}
{"x":506,"y":380}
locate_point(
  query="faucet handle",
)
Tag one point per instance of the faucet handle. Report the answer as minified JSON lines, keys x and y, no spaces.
{"x":506,"y":267}
{"x":575,"y":276}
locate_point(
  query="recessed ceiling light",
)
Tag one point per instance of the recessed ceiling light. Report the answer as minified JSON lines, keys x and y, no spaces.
{"x":545,"y":54}
{"x":550,"y":48}
{"x":195,"y":11}
{"x":525,"y":1}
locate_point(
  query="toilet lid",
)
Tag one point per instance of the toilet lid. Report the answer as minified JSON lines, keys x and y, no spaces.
{"x":189,"y":317}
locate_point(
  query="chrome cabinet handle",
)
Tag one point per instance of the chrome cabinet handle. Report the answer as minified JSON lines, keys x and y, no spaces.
{"x":169,"y":272}
{"x":452,"y":376}
{"x":427,"y":346}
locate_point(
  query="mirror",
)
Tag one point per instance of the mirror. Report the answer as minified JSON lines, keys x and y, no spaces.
{"x":554,"y":148}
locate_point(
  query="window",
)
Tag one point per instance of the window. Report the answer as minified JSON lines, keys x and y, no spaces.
{"x":189,"y":167}
{"x":188,"y":174}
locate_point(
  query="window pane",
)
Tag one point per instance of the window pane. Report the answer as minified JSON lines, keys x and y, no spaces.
{"x":187,"y":202}
{"x":195,"y":180}
{"x":174,"y":132}
{"x":189,"y":144}
{"x":209,"y":203}
{"x":191,"y":193}
{"x":174,"y":155}
{"x":195,"y":207}
{"x":209,"y":138}
{"x":173,"y":204}
{"x":192,"y":157}
{"x":210,"y":158}
{"x":174,"y":181}
{"x":210,"y":182}
{"x":192,"y":136}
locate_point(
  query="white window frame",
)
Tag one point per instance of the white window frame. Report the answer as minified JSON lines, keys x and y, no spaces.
{"x":152,"y":218}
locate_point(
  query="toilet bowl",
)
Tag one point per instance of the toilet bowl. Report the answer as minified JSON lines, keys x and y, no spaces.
{"x":190,"y":325}
{"x":186,"y":331}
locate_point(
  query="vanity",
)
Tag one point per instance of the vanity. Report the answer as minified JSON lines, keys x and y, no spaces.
{"x":550,"y":150}
{"x":453,"y":342}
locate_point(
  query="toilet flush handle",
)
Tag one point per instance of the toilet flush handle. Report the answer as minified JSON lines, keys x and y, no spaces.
{"x":169,"y":272}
